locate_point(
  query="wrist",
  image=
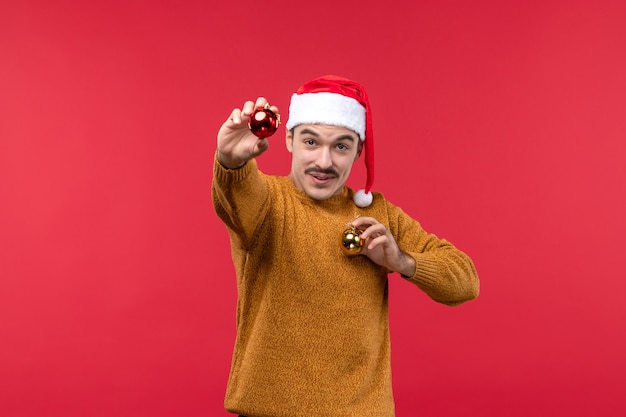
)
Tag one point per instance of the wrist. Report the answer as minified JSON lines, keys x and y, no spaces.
{"x":409,"y":268}
{"x":229,"y":163}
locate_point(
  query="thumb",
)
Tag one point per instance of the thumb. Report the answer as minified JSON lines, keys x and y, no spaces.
{"x":261,"y":146}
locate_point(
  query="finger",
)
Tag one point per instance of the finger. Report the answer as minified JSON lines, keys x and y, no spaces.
{"x":374,"y":231}
{"x":363,"y":222}
{"x":377,"y":241}
{"x":247,"y":109}
{"x":260,"y":103}
{"x":276,"y":111}
{"x":235,"y":116}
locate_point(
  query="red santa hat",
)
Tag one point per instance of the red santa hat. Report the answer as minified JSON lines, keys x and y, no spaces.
{"x":337,"y":101}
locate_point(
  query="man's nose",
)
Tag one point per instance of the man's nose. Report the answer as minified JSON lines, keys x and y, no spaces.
{"x":324,"y":160}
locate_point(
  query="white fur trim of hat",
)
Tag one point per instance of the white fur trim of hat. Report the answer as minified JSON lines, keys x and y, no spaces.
{"x":329,"y":109}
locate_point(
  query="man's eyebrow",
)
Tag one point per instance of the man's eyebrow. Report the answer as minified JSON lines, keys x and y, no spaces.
{"x":309,"y":132}
{"x":344,"y":137}
{"x":349,"y":137}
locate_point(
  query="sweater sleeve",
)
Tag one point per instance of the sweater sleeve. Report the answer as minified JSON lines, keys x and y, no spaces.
{"x":443,"y":272}
{"x":240,"y":198}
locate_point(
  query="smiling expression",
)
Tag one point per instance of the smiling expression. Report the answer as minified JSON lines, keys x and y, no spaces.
{"x":322,"y":158}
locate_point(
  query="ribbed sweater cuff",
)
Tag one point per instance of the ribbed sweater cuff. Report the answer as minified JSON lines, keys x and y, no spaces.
{"x":427,"y":269}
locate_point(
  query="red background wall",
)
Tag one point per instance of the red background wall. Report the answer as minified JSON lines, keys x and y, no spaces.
{"x":499,"y":125}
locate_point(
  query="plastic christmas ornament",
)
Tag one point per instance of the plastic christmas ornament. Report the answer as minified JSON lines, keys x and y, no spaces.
{"x":264,"y":122}
{"x":351,"y":241}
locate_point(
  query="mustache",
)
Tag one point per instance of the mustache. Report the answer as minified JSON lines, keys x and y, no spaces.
{"x":329,"y":171}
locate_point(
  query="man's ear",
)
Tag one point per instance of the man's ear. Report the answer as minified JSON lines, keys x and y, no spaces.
{"x":289,"y":140}
{"x":358,"y":150}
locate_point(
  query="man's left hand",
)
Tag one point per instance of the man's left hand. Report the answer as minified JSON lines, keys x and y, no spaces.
{"x":382,"y":248}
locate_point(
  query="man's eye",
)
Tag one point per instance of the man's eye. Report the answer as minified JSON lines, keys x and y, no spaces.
{"x":342,"y":147}
{"x":309,"y":141}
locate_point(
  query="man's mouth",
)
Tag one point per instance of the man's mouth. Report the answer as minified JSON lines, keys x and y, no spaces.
{"x":321,"y":177}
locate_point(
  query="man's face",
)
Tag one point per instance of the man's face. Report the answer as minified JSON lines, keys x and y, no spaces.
{"x":322,"y":157}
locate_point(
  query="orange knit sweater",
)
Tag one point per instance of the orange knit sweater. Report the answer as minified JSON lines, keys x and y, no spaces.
{"x":312,"y":325}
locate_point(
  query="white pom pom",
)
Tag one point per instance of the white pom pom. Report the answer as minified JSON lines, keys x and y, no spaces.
{"x":363,"y":199}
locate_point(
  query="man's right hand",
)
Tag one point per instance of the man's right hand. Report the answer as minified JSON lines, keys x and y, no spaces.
{"x":236,"y":144}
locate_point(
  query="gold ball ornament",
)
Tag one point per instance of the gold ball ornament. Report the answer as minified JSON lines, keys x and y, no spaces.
{"x":351,"y":241}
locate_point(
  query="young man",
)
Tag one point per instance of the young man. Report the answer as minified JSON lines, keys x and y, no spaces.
{"x":312,"y":323}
